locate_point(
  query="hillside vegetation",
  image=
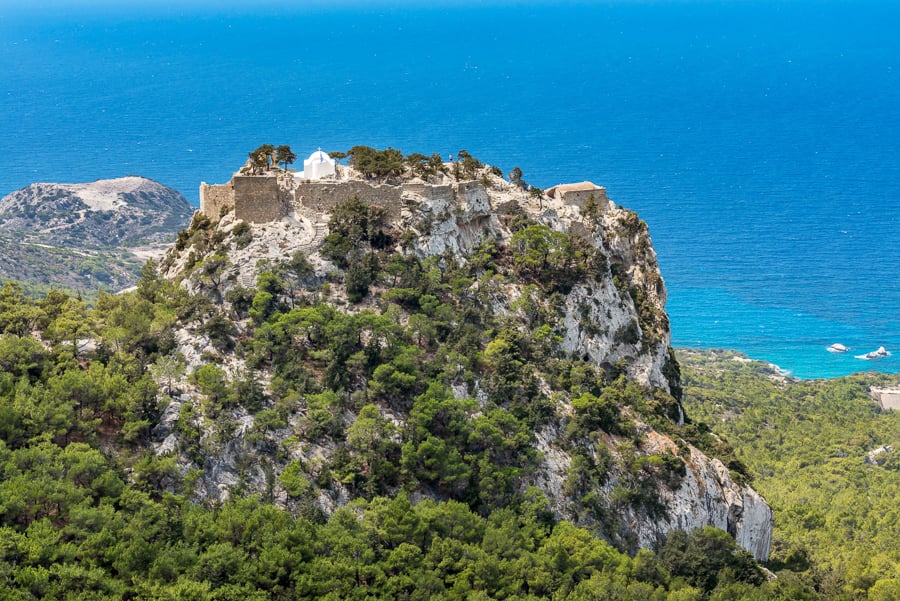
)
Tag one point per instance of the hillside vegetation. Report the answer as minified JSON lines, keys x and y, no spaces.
{"x":810,"y":444}
{"x":471,"y":398}
{"x":88,"y":510}
{"x":467,"y":343}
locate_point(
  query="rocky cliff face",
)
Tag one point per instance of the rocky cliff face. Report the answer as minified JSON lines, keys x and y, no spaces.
{"x":85,"y":236}
{"x":706,"y":495}
{"x":591,"y":269}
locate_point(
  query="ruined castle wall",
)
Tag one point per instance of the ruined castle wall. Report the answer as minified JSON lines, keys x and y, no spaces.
{"x":472,"y":197}
{"x":258,"y":199}
{"x":579,"y":197}
{"x":216,"y":199}
{"x":431,"y":194}
{"x":441,"y":191}
{"x":415,"y":189}
{"x":324,"y":196}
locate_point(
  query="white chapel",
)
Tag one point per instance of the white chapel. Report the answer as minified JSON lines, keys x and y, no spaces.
{"x":317,"y":166}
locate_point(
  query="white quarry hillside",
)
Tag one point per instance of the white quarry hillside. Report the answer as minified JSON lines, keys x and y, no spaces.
{"x":105,"y":212}
{"x":611,"y":317}
{"x":87,"y":236}
{"x":107,"y":194}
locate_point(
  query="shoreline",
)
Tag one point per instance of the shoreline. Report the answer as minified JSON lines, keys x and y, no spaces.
{"x":866,"y":367}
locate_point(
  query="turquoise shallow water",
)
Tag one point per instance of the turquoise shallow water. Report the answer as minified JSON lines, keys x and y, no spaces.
{"x":759,"y":140}
{"x":793,"y":340}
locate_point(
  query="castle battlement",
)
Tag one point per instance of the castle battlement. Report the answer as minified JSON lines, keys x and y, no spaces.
{"x":266,"y":198}
{"x":276,"y":194}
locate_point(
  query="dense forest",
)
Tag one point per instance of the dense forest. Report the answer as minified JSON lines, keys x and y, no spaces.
{"x":88,"y":511}
{"x":382,"y":422}
{"x":826,"y":459}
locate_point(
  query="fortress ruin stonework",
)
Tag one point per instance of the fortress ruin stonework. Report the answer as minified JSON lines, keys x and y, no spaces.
{"x":270,"y":197}
{"x":579,"y":194}
{"x":263,"y":198}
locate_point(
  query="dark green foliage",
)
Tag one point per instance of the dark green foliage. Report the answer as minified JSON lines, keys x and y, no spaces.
{"x":706,"y":557}
{"x":338,"y":155}
{"x":807,"y":444}
{"x":631,"y":224}
{"x":515,"y":176}
{"x":248,"y":393}
{"x":592,"y":210}
{"x":629,"y":334}
{"x":213,"y":383}
{"x":265,"y":302}
{"x":357,"y":281}
{"x":355,"y":228}
{"x":323,"y":413}
{"x":221,"y":331}
{"x":201,"y":237}
{"x":424,"y":392}
{"x":76,"y":522}
{"x":466,"y":166}
{"x":478,"y":459}
{"x":22,"y":358}
{"x":376,"y":163}
{"x":242,"y":234}
{"x":297,"y":275}
{"x":585,"y":472}
{"x":547,"y":257}
{"x":17,"y":314}
{"x":261,"y":159}
{"x":591,"y":414}
{"x":284,"y":156}
{"x":240,"y":299}
{"x":425,"y":167}
{"x":374,"y":453}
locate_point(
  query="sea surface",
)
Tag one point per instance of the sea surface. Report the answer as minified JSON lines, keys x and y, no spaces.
{"x":759,"y":140}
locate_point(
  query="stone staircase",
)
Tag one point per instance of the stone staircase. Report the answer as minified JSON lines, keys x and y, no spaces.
{"x":320,"y":231}
{"x":247,"y":279}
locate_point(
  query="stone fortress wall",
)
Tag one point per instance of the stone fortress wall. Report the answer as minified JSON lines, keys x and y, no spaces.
{"x":263,"y":198}
{"x":259,"y":199}
{"x":323,"y":196}
{"x":216,"y":199}
{"x":254,"y":198}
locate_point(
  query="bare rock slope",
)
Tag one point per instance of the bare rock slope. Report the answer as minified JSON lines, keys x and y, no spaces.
{"x":85,"y":236}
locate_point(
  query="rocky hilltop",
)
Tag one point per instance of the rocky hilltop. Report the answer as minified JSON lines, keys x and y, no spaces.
{"x":447,"y":333}
{"x":85,"y":236}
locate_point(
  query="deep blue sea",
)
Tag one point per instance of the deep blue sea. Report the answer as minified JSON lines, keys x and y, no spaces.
{"x":759,"y":140}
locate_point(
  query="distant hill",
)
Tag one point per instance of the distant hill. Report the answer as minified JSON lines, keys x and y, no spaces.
{"x":87,"y":236}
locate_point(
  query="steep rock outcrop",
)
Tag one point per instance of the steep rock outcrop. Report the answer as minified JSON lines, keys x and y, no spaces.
{"x":706,"y":495}
{"x":608,"y":295}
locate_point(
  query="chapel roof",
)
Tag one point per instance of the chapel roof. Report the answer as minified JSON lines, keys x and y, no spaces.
{"x":320,"y":156}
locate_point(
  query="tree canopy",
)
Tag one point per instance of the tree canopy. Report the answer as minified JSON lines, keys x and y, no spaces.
{"x":374,"y":163}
